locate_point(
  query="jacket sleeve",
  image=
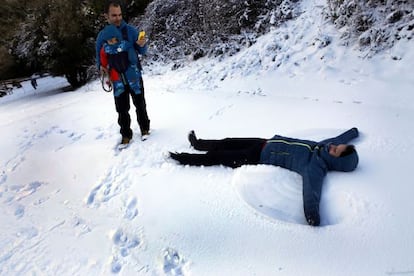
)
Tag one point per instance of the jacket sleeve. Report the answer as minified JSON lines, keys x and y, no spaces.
{"x":313,"y":177}
{"x":142,"y":50}
{"x":343,"y":138}
{"x":133,"y":37}
{"x":103,"y":58}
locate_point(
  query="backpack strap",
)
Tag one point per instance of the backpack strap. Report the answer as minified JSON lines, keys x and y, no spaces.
{"x":124,"y":32}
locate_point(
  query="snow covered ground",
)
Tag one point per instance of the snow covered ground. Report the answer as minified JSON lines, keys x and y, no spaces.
{"x":73,"y":205}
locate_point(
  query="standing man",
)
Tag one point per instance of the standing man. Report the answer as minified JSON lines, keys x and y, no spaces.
{"x":113,"y":13}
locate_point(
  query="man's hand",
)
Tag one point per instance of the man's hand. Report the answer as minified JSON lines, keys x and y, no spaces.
{"x":103,"y":71}
{"x":141,"y":39}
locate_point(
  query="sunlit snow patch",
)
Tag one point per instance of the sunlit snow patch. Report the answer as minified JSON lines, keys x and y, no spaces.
{"x":272,"y":191}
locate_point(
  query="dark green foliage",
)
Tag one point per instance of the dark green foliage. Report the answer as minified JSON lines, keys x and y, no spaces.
{"x":13,"y":14}
{"x":71,"y":48}
{"x":56,"y":36}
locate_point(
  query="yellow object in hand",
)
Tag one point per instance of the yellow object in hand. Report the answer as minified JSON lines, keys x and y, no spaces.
{"x":141,"y":35}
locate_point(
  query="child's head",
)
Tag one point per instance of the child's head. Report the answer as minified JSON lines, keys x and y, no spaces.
{"x":112,"y":41}
{"x":111,"y":34}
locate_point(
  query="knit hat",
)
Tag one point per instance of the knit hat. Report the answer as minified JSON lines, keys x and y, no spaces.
{"x":110,"y":31}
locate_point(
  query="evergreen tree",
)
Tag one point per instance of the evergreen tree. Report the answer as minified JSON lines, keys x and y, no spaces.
{"x":57,"y":37}
{"x":69,"y":49}
{"x":14,"y":13}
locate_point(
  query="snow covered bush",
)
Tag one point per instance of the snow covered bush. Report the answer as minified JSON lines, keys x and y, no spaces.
{"x":187,"y":29}
{"x":374,"y":25}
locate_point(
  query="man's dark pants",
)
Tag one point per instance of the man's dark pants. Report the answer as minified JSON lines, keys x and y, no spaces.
{"x":122,"y":105}
{"x":230,"y":152}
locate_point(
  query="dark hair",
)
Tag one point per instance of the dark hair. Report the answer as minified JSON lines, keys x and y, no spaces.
{"x":348,"y":150}
{"x":110,"y":3}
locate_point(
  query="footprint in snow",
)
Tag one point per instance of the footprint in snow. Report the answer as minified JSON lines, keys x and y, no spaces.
{"x":131,"y":210}
{"x":75,"y":136}
{"x":27,"y":233}
{"x":116,"y":265}
{"x":3,"y":177}
{"x":110,"y":185}
{"x":124,"y":243}
{"x":16,"y":193}
{"x":27,"y":190}
{"x":19,"y":211}
{"x":15,"y":162}
{"x":173,"y":263}
{"x":80,"y":226}
{"x":41,"y":200}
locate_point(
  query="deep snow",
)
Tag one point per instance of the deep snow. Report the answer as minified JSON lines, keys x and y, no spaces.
{"x":73,"y":205}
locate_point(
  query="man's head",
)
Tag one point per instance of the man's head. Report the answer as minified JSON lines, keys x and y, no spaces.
{"x":113,"y":12}
{"x":341,"y":150}
{"x":340,"y":157}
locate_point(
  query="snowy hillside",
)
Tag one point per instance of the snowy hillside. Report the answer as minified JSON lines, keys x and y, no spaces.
{"x":74,"y":205}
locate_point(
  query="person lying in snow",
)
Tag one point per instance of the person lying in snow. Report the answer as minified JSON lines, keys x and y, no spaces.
{"x":312,"y":160}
